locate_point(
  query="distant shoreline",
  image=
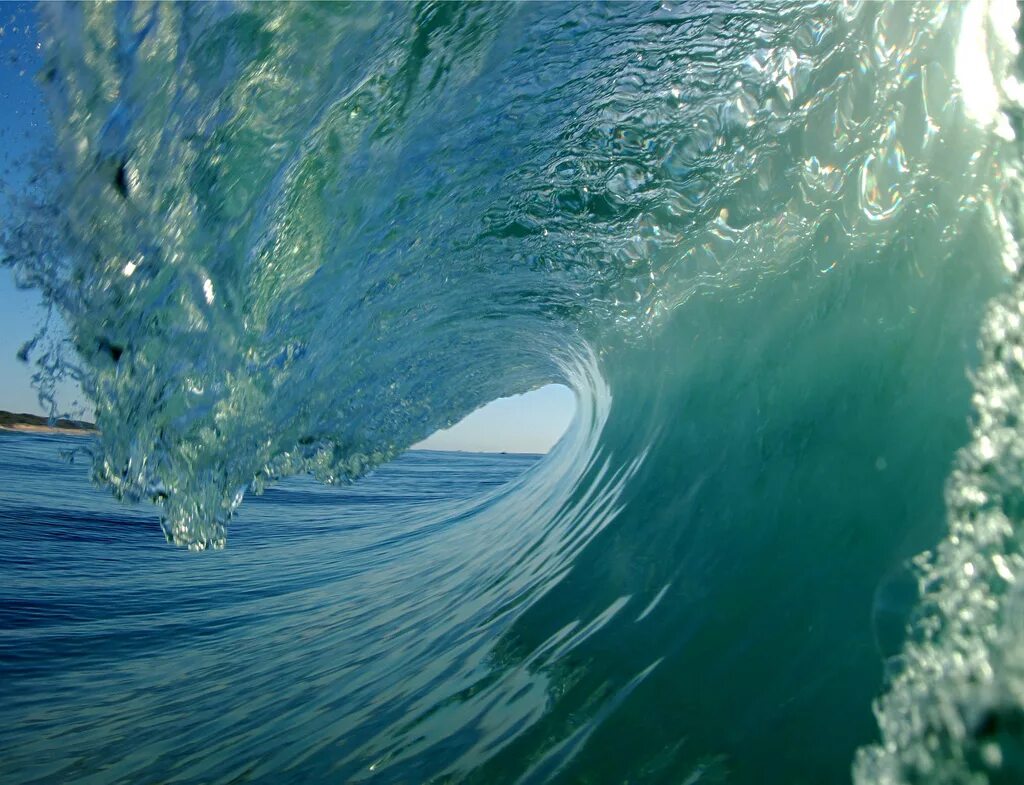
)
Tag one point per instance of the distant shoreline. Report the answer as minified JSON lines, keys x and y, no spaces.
{"x":34,"y":423}
{"x":12,"y":422}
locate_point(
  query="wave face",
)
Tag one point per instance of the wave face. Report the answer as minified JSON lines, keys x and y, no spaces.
{"x":759,"y":242}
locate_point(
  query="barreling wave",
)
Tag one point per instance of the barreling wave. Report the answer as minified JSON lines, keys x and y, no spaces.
{"x":759,"y":240}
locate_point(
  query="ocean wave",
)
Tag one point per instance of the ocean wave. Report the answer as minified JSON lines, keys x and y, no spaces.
{"x":758,"y":242}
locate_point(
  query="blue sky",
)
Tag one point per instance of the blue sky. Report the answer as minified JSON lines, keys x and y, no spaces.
{"x":22,"y":125}
{"x":523,"y":423}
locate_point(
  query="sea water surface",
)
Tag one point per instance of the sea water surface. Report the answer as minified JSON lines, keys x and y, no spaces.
{"x":124,"y":660}
{"x":773,"y":248}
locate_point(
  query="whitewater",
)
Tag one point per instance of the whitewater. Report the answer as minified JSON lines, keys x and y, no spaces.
{"x":774,"y":249}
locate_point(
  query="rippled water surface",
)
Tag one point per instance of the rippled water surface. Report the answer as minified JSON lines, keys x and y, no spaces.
{"x":774,"y":249}
{"x":124,"y":660}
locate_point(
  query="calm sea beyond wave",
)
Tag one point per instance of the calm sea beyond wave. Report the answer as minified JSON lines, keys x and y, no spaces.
{"x":773,"y":248}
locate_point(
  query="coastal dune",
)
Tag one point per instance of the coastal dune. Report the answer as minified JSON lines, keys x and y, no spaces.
{"x":11,"y":421}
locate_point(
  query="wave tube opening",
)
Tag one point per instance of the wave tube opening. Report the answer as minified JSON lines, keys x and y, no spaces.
{"x":529,"y":423}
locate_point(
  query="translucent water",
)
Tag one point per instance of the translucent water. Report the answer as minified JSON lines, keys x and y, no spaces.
{"x":760,"y":243}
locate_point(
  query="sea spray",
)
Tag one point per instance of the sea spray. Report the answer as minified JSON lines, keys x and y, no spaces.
{"x":953,"y":711}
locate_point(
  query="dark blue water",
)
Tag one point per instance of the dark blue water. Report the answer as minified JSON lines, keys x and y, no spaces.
{"x":123,"y":659}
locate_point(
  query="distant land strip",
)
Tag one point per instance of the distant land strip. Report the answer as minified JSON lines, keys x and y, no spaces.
{"x":10,"y":421}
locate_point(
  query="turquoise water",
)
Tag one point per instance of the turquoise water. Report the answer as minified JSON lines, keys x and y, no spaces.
{"x":772,"y":249}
